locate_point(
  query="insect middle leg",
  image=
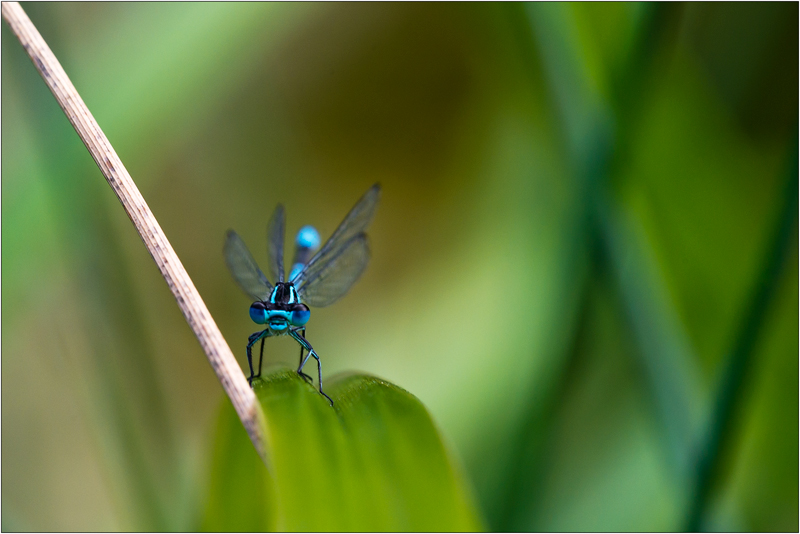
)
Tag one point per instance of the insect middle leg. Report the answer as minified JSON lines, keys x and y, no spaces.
{"x":311,"y":352}
{"x":300,"y":368}
{"x":252,"y":340}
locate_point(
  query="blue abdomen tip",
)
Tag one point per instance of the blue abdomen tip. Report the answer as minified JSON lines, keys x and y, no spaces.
{"x":307,"y":237}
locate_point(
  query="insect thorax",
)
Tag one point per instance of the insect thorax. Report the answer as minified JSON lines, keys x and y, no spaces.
{"x":284,"y":294}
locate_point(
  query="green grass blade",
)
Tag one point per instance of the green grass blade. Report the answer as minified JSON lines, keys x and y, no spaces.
{"x":374,"y":462}
{"x":595,"y":136}
{"x":666,"y":354}
{"x":739,"y":364}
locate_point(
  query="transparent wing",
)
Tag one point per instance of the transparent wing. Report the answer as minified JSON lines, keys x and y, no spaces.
{"x":244,"y":268}
{"x":275,"y":233}
{"x":332,"y":279}
{"x":353,"y":224}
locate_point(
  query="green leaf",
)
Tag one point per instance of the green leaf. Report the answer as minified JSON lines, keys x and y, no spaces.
{"x":373,"y":462}
{"x":240,"y":488}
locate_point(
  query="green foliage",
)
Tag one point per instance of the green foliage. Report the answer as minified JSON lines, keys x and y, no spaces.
{"x":374,"y":462}
{"x":240,"y":489}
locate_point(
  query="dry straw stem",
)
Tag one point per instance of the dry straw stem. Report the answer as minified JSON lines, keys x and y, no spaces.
{"x":189,"y":301}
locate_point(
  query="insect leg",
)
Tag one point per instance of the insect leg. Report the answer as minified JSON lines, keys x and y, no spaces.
{"x":299,"y":371}
{"x":261,"y":355}
{"x":303,"y":344}
{"x":311,"y":352}
{"x":252,"y":340}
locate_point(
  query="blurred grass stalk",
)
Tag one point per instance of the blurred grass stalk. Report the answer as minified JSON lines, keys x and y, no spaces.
{"x":603,"y":237}
{"x":592,"y":129}
{"x":190,"y":302}
{"x":732,"y":388}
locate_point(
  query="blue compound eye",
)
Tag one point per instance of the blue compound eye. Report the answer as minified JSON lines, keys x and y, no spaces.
{"x":258,"y":313}
{"x":300,"y":315}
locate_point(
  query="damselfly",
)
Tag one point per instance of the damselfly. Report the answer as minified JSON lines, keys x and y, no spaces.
{"x":317,"y":280}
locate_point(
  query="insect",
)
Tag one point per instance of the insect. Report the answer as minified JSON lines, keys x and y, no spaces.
{"x":317,"y":281}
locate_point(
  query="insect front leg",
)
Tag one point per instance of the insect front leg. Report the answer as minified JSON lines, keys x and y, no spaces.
{"x":313,"y":353}
{"x":252,"y":340}
{"x":261,"y":355}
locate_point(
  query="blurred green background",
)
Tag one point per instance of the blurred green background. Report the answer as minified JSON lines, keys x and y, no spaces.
{"x":585,"y":260}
